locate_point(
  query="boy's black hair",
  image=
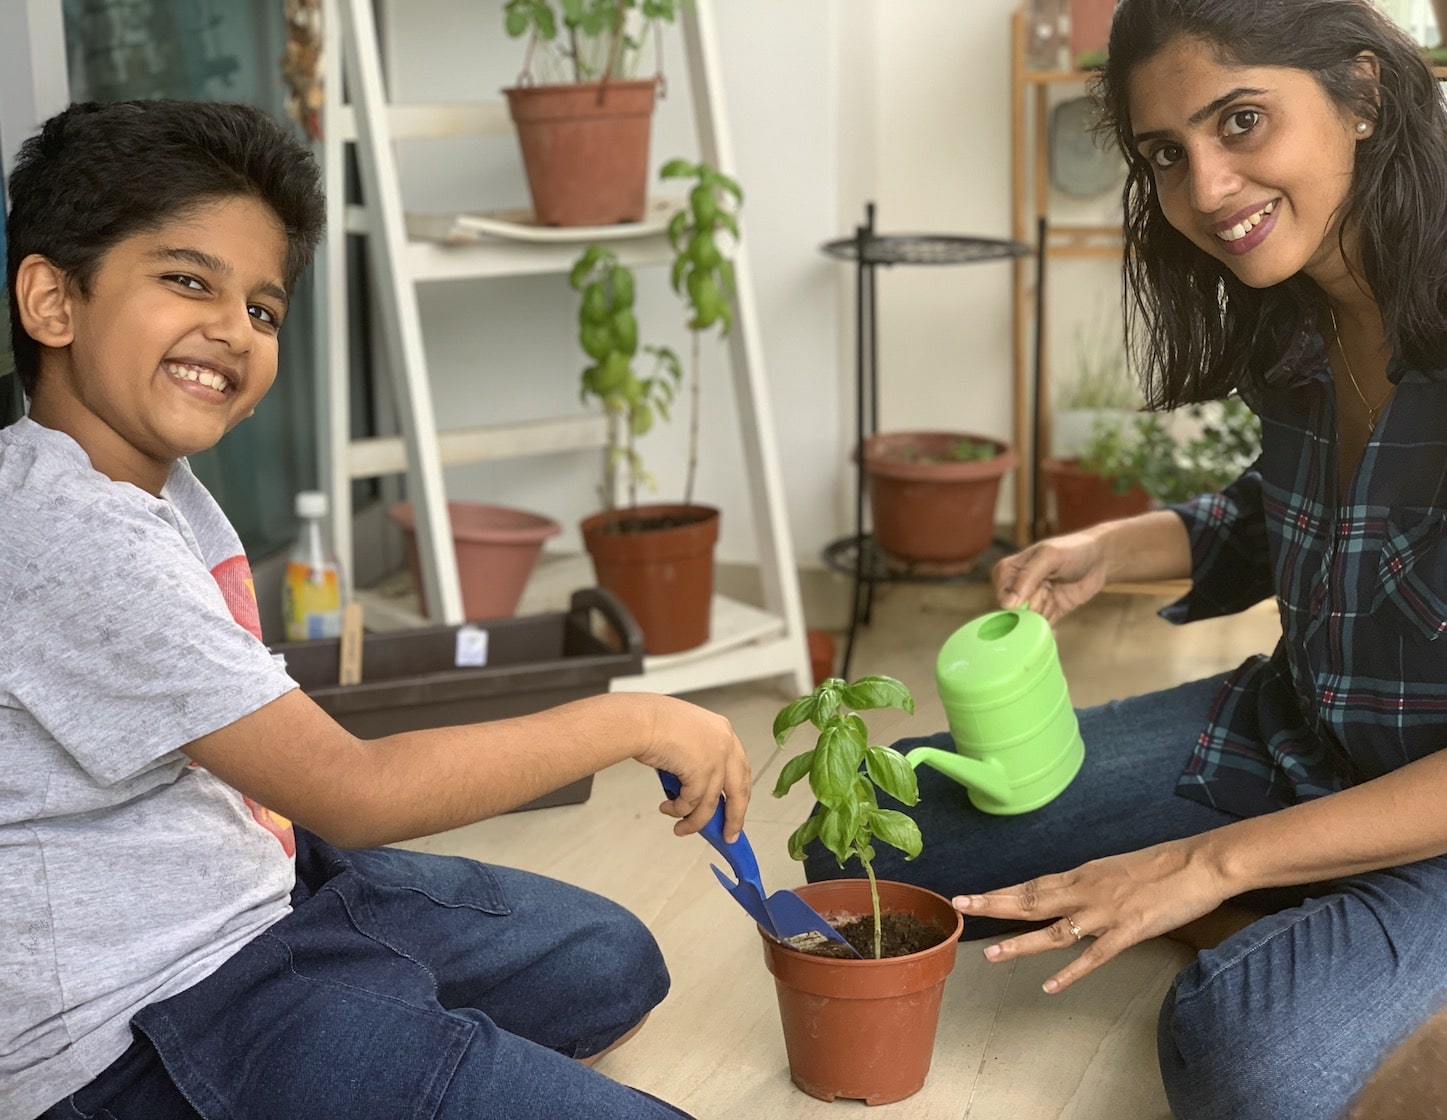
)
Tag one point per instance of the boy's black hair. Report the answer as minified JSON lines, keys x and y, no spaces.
{"x":99,"y":173}
{"x":1200,"y":331}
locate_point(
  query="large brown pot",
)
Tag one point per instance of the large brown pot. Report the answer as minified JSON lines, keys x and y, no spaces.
{"x":927,"y":510}
{"x":585,"y":149}
{"x":1083,"y":499}
{"x":863,"y":1029}
{"x":663,"y":575}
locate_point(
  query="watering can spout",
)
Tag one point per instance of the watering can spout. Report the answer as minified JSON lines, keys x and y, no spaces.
{"x":986,"y":778}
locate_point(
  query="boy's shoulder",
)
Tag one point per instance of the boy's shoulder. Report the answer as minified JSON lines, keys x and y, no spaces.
{"x":52,"y":500}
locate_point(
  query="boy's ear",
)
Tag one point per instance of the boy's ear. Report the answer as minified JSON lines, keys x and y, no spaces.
{"x":43,"y":294}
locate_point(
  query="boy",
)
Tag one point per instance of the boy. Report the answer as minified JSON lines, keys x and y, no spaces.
{"x":169,"y":947}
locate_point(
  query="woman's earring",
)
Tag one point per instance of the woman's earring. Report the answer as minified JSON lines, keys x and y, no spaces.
{"x":1361,"y":128}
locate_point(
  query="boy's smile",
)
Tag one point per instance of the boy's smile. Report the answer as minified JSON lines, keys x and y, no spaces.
{"x":174,"y":345}
{"x":1252,"y":164}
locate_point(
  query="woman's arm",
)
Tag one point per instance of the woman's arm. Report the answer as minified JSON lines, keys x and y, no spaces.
{"x":1122,"y":900}
{"x":1059,"y":574}
{"x":296,"y":760}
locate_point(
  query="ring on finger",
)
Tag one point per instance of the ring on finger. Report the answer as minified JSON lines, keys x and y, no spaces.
{"x":1075,"y":930}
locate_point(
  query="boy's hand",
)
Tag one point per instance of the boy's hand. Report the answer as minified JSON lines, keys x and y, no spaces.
{"x":700,"y":747}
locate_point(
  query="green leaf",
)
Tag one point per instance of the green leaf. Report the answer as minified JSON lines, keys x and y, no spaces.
{"x":703,"y":250}
{"x":622,"y":279}
{"x":802,"y":836}
{"x":827,"y":707}
{"x":677,"y":229}
{"x":677,"y":169}
{"x":597,"y":342}
{"x":838,"y":828}
{"x":517,"y":21}
{"x":791,"y":716}
{"x":613,"y":374}
{"x":595,"y":304}
{"x":888,"y":770}
{"x":642,"y":419}
{"x":546,"y":21}
{"x":793,"y":770}
{"x":704,"y":205}
{"x":896,"y":830}
{"x":878,"y":692}
{"x":676,"y":275}
{"x":836,"y":761}
{"x":625,"y":332}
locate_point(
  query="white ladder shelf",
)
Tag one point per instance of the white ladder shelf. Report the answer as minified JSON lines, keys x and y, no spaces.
{"x":747,"y":643}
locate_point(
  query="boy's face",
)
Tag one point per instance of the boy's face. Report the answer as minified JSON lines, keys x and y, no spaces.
{"x":176,"y":343}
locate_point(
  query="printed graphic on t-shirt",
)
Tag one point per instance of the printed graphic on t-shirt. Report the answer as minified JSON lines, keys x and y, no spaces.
{"x":233,"y":576}
{"x":238,"y":588}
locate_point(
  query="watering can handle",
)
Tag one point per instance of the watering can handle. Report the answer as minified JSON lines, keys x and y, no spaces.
{"x":739,"y":854}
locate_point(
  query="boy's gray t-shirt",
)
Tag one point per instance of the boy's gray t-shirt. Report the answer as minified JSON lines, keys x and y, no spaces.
{"x":128,"y":628}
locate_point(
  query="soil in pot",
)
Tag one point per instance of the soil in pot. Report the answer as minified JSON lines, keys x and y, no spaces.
{"x":899,"y":935}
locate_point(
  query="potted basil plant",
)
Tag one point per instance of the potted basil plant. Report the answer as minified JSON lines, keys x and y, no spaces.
{"x":836,"y":1010}
{"x":583,"y":116}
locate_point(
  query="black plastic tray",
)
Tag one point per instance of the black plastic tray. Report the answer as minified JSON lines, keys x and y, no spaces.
{"x":410,"y":680}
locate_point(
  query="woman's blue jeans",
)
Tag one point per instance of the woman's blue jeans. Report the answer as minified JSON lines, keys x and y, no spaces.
{"x":402,"y":986}
{"x":1285,"y":1019}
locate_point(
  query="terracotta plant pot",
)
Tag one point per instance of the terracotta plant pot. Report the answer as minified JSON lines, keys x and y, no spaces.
{"x":585,"y":149}
{"x":663,"y":575}
{"x":1083,"y":499}
{"x":1089,"y":26}
{"x":863,"y":1029}
{"x":497,"y":548}
{"x":933,"y":511}
{"x":822,"y":655}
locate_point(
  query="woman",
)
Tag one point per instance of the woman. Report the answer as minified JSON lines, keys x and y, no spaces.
{"x":1286,"y":227}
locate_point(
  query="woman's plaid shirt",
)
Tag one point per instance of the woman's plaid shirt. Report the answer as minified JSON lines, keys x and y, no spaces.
{"x":1357,"y":686}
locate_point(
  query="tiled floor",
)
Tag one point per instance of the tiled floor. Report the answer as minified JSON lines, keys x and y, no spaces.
{"x":1004,"y":1050}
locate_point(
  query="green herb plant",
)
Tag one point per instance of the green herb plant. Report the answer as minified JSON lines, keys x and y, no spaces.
{"x":849,"y":819}
{"x":1148,"y":455}
{"x":608,"y":333}
{"x":594,"y":40}
{"x":703,"y":272}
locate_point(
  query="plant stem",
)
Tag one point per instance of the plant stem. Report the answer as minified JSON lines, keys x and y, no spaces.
{"x":874,"y":897}
{"x":615,"y":46}
{"x":695,"y":398}
{"x":573,"y":38}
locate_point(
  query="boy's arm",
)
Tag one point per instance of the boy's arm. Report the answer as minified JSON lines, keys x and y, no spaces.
{"x":292,"y":757}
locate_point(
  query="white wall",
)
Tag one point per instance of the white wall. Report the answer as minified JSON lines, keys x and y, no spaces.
{"x":830,"y":103}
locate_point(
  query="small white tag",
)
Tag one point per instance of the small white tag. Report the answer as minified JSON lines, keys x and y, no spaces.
{"x":471,"y":647}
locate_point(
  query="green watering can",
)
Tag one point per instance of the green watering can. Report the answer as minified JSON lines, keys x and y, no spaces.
{"x":1017,"y":741}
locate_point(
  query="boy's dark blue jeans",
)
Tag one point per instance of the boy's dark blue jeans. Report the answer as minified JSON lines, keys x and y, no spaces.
{"x":401,"y":986}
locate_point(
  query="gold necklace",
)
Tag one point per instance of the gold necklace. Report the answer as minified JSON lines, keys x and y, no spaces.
{"x":1372,"y":410}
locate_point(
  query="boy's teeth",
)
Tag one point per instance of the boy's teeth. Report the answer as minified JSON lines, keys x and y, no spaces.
{"x":1246,"y":225}
{"x":210,"y":378}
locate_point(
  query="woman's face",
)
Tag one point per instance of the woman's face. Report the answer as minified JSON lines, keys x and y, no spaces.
{"x":1252,"y":164}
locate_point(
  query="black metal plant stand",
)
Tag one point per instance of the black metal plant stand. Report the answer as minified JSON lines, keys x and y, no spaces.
{"x":856,"y":555}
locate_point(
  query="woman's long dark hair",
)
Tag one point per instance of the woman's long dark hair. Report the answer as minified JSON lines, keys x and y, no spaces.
{"x":1197,"y":331}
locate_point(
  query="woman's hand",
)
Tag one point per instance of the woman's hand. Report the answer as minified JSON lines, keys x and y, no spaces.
{"x":701,"y":749}
{"x":1114,"y":903}
{"x":1054,"y":576}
